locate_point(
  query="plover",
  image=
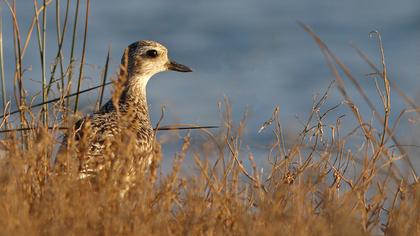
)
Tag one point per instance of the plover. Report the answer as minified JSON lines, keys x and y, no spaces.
{"x":141,"y":60}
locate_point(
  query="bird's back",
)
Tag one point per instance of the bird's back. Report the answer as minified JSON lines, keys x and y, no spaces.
{"x":114,"y":132}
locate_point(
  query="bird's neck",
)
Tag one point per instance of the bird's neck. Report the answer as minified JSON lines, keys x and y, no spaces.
{"x":133,"y":98}
{"x":135,"y":89}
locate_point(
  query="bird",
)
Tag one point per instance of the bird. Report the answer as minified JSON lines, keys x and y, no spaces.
{"x":127,"y":112}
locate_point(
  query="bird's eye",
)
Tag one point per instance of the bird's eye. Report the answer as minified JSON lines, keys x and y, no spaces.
{"x":152,"y":53}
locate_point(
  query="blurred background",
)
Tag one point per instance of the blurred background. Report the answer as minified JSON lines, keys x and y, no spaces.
{"x":252,"y":52}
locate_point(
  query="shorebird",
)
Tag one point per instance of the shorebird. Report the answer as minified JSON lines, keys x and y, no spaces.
{"x":128,"y":113}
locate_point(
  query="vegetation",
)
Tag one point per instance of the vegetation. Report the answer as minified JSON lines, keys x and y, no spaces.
{"x":316,"y":184}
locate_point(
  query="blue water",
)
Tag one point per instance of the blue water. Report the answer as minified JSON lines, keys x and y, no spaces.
{"x":252,"y":52}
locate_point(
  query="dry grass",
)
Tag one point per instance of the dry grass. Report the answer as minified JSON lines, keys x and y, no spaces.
{"x":317,"y":184}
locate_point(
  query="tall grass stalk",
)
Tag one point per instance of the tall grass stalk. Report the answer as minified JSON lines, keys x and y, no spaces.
{"x":82,"y":63}
{"x":44,"y":52}
{"x":18,"y":80}
{"x":30,"y":30}
{"x":59,"y":58}
{"x":105,"y":74}
{"x":73,"y":46}
{"x":2,"y":78}
{"x":59,"y":54}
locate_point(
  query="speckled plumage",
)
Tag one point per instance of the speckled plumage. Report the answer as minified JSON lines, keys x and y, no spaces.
{"x":144,"y":59}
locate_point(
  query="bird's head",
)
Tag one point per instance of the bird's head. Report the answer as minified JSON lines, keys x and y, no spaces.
{"x":146,"y":58}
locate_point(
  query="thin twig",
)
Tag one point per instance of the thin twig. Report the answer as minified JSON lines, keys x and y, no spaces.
{"x":394,"y":85}
{"x":387,"y":103}
{"x":331,"y":57}
{"x":58,"y":99}
{"x":163,"y":128}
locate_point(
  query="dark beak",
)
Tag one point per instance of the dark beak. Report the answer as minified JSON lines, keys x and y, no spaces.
{"x":178,"y":67}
